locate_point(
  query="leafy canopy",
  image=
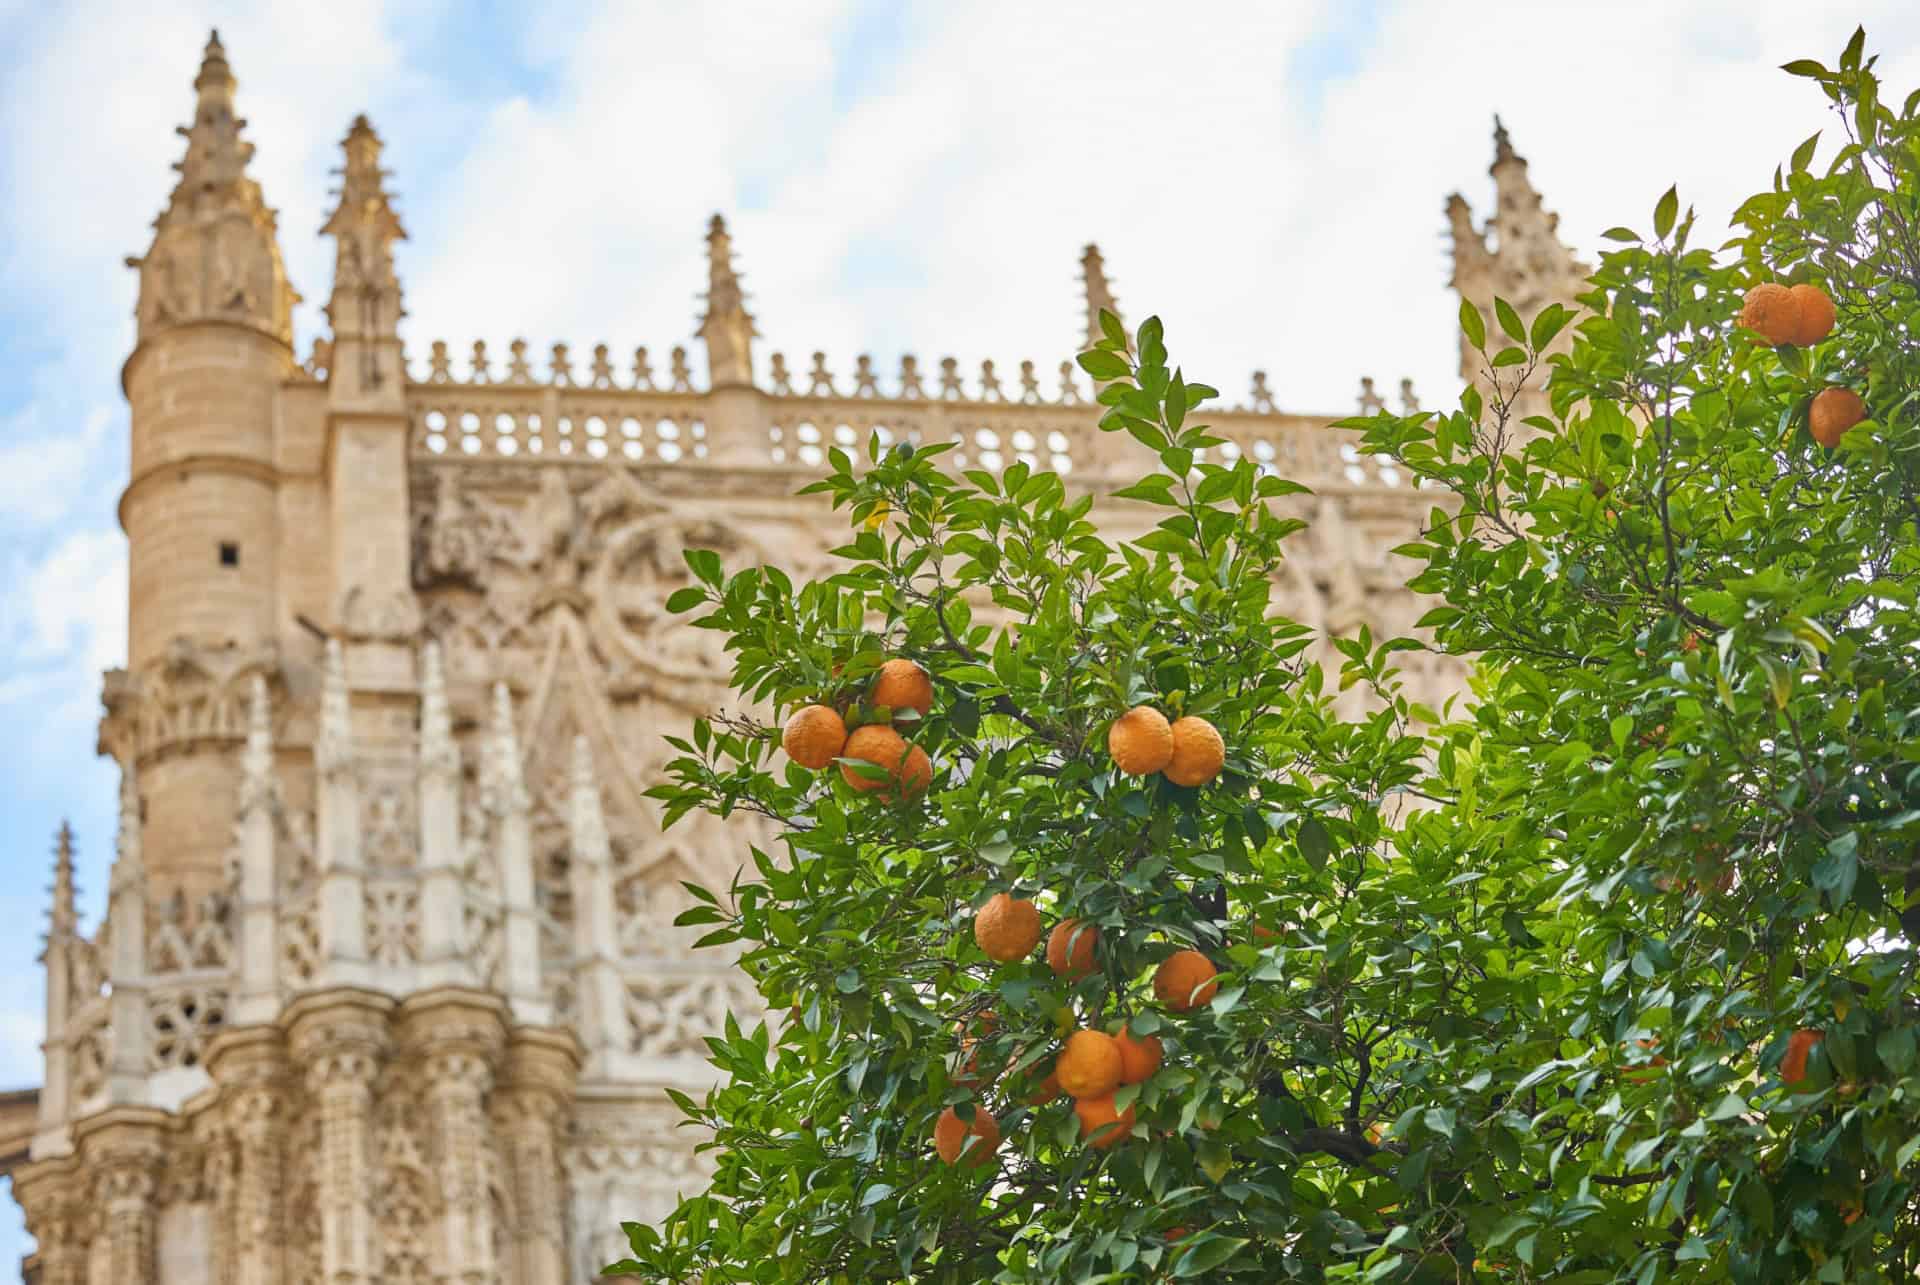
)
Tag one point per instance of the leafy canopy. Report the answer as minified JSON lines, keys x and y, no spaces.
{"x":1526,"y":1002}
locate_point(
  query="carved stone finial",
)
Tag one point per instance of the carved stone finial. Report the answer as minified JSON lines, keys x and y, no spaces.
{"x":1371,"y":403}
{"x":950,"y":386}
{"x":727,"y":327}
{"x":910,"y":387}
{"x":1262,"y":396}
{"x":822,"y":381}
{"x":129,"y":865}
{"x":1409,"y":403}
{"x":63,"y":918}
{"x":1069,"y":388}
{"x":439,"y":753}
{"x":1029,"y":385}
{"x":865,"y":383}
{"x":678,"y":370}
{"x":519,"y":370}
{"x":587,"y":823}
{"x":1502,"y":146}
{"x":333,"y":746}
{"x":990,"y":383}
{"x":481,"y":373}
{"x":562,"y":366}
{"x":1099,"y":292}
{"x":439,"y":364}
{"x":215,"y":254}
{"x":256,"y":760}
{"x":642,"y":370}
{"x":779,"y":376}
{"x":365,"y":303}
{"x":508,"y":779}
{"x":601,"y":373}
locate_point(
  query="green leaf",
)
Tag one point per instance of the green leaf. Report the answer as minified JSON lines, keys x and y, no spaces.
{"x":1204,"y":1257}
{"x":1666,"y":212}
{"x":1509,"y":320}
{"x":1316,"y":845}
{"x":1473,"y":325}
{"x":685,"y":598}
{"x":1104,"y":365}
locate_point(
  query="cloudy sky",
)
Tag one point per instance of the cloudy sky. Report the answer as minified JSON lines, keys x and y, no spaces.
{"x":1267,"y":176}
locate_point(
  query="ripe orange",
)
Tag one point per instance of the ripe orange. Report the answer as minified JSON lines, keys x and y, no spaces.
{"x":1140,"y":741}
{"x":1263,"y":933}
{"x":1100,"y":1124}
{"x":1793,"y":1067}
{"x":814,"y":736}
{"x":1081,"y":962}
{"x":916,"y":772}
{"x":1139,"y":1057}
{"x":1089,"y":1065}
{"x":1049,"y":1090}
{"x":1770,"y":312}
{"x":1198,"y":752}
{"x":1834,"y":412}
{"x":1175,"y":1233}
{"x":1812,"y":315}
{"x":950,"y":1134}
{"x":1007,"y":928}
{"x":1184,"y":980}
{"x":873,"y":743}
{"x":901,"y":684}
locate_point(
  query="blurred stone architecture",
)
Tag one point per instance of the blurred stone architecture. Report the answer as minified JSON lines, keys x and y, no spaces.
{"x":388,"y":987}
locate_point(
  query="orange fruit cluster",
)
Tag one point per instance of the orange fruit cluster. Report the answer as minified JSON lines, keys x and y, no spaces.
{"x":1188,"y":751}
{"x":1007,"y":928}
{"x":817,"y":735}
{"x":1800,"y":315}
{"x":1834,"y":411}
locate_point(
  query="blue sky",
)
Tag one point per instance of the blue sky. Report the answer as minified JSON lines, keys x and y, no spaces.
{"x":900,"y":177}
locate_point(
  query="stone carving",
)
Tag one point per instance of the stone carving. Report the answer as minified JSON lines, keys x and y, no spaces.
{"x":183,"y":938}
{"x":671,"y":1016}
{"x":460,"y":535}
{"x":189,"y":695}
{"x":367,"y":616}
{"x":183,"y":1019}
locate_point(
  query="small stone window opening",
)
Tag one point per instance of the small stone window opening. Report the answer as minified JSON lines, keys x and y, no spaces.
{"x":229,"y":554}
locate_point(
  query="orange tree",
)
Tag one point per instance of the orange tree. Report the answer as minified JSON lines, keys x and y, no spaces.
{"x":1624,"y":998}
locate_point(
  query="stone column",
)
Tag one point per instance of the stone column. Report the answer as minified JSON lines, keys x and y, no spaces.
{"x":249,"y":1064}
{"x":50,"y":1135}
{"x":59,"y":1218}
{"x":339,"y":1038}
{"x":602,"y":995}
{"x":532,"y":1110}
{"x":457,"y":1035}
{"x":121,"y":1150}
{"x":343,"y":905}
{"x":514,"y":836}
{"x":443,"y":945}
{"x":127,"y":958}
{"x":259,"y":993}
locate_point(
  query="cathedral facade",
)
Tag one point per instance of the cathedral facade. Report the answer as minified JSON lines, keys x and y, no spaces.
{"x":388,"y":987}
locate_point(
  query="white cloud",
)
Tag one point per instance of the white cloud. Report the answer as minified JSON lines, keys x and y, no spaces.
{"x":43,"y":471}
{"x":76,"y":604}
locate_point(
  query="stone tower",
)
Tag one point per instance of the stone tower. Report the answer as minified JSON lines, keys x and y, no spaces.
{"x":388,"y":988}
{"x":1517,"y":256}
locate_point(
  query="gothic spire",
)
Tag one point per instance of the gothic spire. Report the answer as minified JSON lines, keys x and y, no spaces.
{"x":256,"y":760}
{"x":508,"y":779}
{"x":1517,"y":255}
{"x":728,"y":327}
{"x":215,"y":254}
{"x":64,"y":918}
{"x":1099,"y":294}
{"x":438,"y":752}
{"x":365,"y":303}
{"x":333,"y":746}
{"x":587,"y":822}
{"x":129,"y":866}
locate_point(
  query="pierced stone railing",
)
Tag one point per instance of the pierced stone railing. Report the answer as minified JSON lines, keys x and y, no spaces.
{"x":592,"y":417}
